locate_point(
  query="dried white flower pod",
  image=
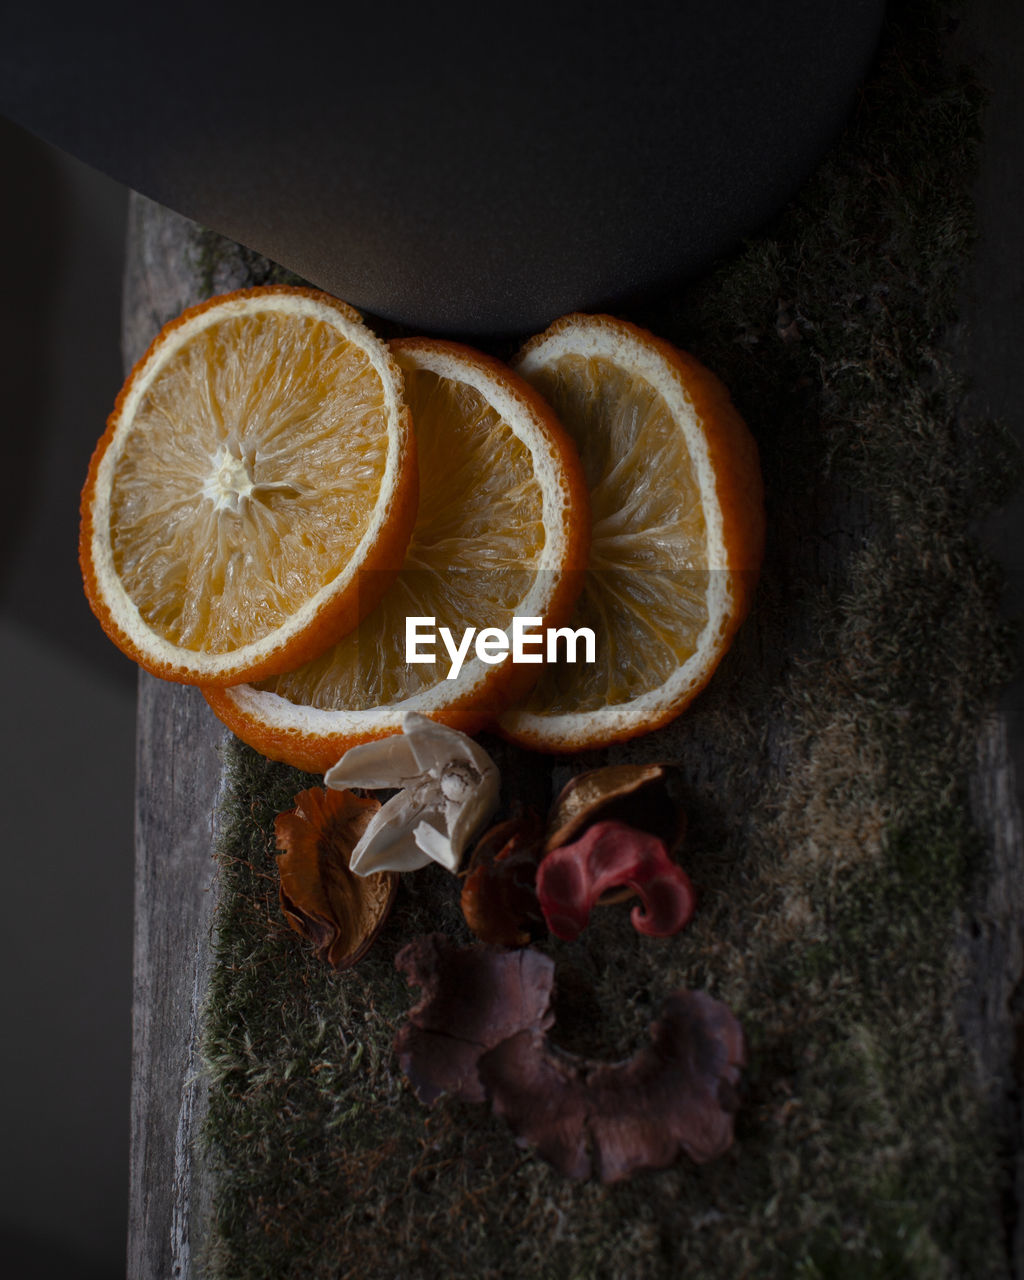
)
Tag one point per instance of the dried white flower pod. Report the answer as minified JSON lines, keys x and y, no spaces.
{"x":448,"y":790}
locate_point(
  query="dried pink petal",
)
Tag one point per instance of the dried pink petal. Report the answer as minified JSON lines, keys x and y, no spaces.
{"x":607,"y":856}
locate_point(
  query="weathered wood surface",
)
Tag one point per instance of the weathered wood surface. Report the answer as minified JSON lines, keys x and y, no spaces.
{"x":989,"y":342}
{"x":178,"y":777}
{"x":994,"y":948}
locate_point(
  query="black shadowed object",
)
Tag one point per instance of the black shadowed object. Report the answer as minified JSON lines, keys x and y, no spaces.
{"x":457,"y":167}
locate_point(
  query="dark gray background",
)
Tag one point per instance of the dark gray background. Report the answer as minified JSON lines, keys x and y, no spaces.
{"x":68,"y":735}
{"x":455,"y":167}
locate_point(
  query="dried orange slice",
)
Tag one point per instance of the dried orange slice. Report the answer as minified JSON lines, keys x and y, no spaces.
{"x":502,"y":531}
{"x":678,"y":530}
{"x":254,"y":488}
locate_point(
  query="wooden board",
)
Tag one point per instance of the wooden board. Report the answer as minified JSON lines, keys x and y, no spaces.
{"x":178,"y":778}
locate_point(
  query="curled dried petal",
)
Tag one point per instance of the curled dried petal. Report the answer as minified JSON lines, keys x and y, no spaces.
{"x":340,"y":913}
{"x":607,"y":856}
{"x":499,"y":895}
{"x":636,"y":794}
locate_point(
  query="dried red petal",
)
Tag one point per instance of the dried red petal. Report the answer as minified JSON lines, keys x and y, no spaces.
{"x":340,"y":913}
{"x":609,"y":855}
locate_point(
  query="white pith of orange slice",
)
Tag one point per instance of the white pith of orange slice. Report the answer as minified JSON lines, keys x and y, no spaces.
{"x":254,"y":488}
{"x":502,"y":530}
{"x":677,"y":537}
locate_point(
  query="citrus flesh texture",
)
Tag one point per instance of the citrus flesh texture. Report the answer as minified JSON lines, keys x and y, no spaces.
{"x":677,"y":534}
{"x":502,"y":530}
{"x":256,"y":482}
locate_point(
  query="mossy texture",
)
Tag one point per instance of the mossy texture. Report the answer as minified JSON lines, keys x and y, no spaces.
{"x":826,"y":771}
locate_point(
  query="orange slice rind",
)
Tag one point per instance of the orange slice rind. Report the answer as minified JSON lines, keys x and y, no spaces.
{"x":254,"y":490}
{"x":677,"y":537}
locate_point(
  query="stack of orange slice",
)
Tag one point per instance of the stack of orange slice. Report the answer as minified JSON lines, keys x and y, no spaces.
{"x":263,"y":513}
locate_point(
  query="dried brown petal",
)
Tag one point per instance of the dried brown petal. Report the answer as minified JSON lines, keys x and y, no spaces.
{"x":473,"y":999}
{"x":636,"y":794}
{"x":499,"y":895}
{"x":478,"y":1033}
{"x":608,"y":855}
{"x":340,"y":913}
